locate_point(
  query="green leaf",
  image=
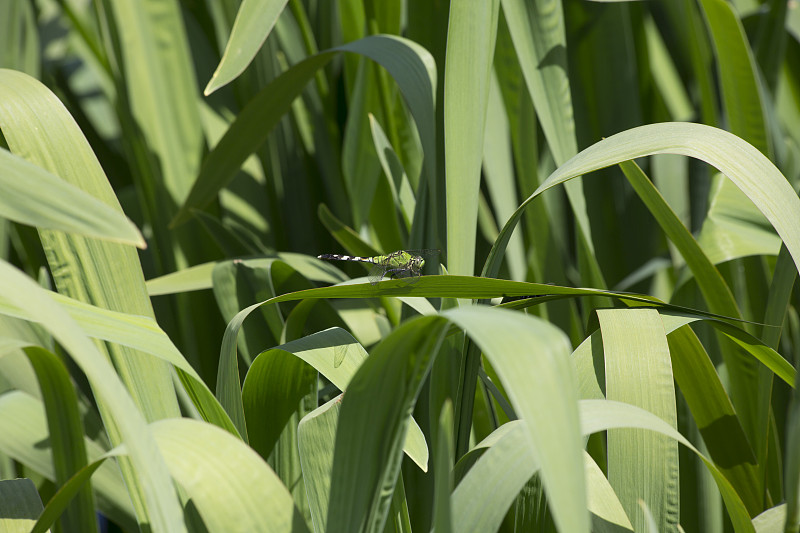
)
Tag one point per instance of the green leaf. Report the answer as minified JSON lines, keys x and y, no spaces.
{"x":273,"y":390}
{"x":238,"y":284}
{"x":734,"y":227}
{"x":360,"y":166}
{"x":254,"y":21}
{"x":499,"y":170}
{"x":228,"y":482}
{"x":704,"y":393}
{"x":531,"y":358}
{"x":345,"y":235}
{"x":21,"y":505}
{"x":505,"y":467}
{"x":408,"y":63}
{"x":471,"y":35}
{"x":716,"y":292}
{"x":537,"y":29}
{"x":641,"y":466}
{"x":374,"y":416}
{"x":194,"y":278}
{"x":322,"y":351}
{"x":316,"y":436}
{"x":751,"y":403}
{"x":65,"y":434}
{"x":25,"y":429}
{"x":771,"y":520}
{"x":600,"y":415}
{"x":742,"y":92}
{"x":753,"y":173}
{"x":488,"y":489}
{"x":33,"y":196}
{"x":483,"y":496}
{"x":198,"y":277}
{"x":402,"y":193}
{"x":443,"y":470}
{"x":538,"y":32}
{"x":159,"y":79}
{"x":666,"y":76}
{"x":278,"y":391}
{"x":159,"y":495}
{"x":607,"y":511}
{"x":102,"y":273}
{"x":141,"y":333}
{"x":714,"y":414}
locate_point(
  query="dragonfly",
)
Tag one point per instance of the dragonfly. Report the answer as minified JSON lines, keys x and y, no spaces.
{"x":400,"y":264}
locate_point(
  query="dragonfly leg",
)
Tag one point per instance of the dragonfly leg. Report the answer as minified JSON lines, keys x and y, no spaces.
{"x":411,"y":276}
{"x":393,"y":271}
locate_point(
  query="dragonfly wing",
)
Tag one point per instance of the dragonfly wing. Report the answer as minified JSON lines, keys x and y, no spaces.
{"x":427,"y":254}
{"x":376,"y":273}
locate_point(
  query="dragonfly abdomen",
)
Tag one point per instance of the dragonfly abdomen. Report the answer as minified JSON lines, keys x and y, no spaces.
{"x":337,"y":257}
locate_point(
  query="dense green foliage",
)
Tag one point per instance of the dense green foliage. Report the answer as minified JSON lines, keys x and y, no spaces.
{"x":607,"y":339}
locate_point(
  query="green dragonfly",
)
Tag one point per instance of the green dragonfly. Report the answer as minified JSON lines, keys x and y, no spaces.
{"x":400,"y":264}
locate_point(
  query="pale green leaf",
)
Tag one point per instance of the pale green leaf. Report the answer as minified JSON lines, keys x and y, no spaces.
{"x":102,"y":273}
{"x":600,"y":415}
{"x":25,"y":427}
{"x":316,"y":437}
{"x":159,"y":495}
{"x":750,"y":170}
{"x":33,"y":196}
{"x":531,"y":359}
{"x":471,"y":35}
{"x":734,"y":227}
{"x":402,"y":193}
{"x":232,"y":487}
{"x":641,"y":466}
{"x":771,"y":520}
{"x":254,"y":21}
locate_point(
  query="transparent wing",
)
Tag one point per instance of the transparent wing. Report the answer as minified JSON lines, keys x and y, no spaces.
{"x":376,"y":273}
{"x":426,"y":254}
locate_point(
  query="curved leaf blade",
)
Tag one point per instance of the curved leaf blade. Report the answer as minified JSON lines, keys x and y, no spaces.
{"x":254,"y":21}
{"x":33,"y":196}
{"x":748,"y":168}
